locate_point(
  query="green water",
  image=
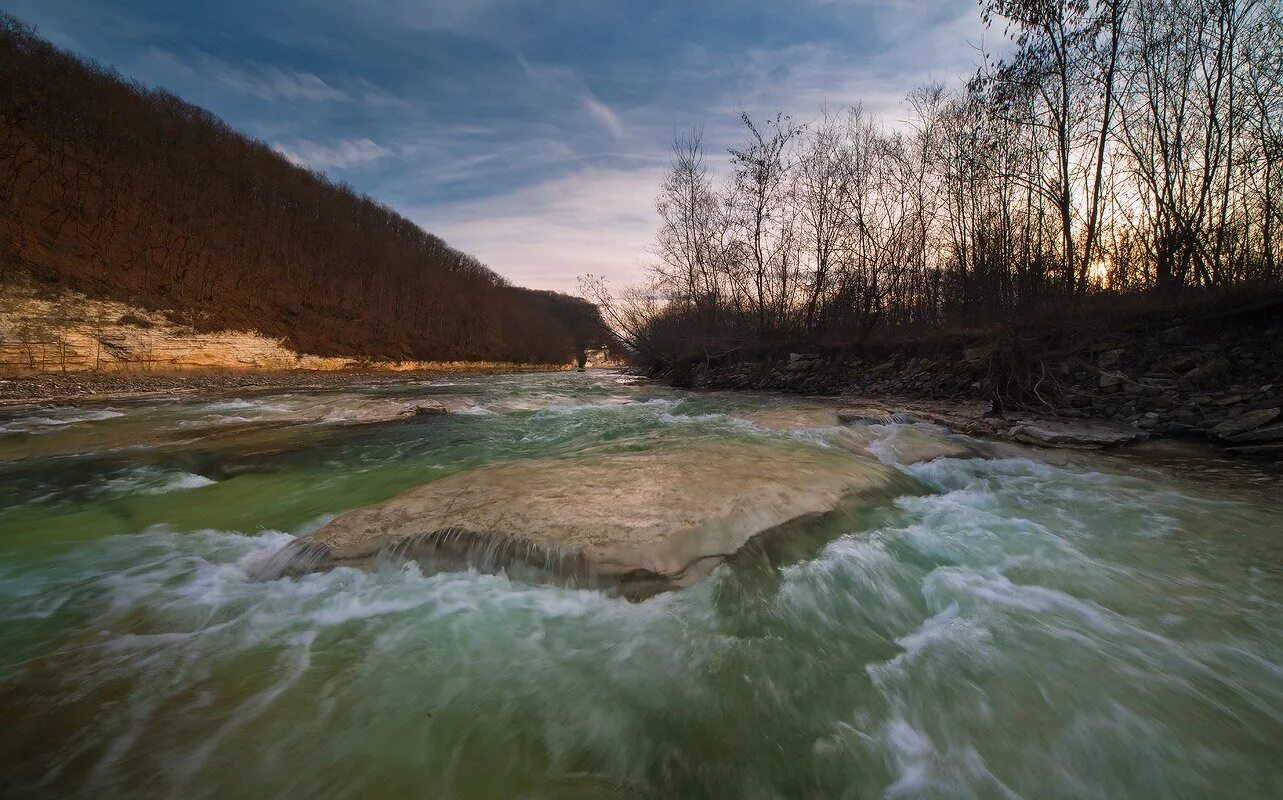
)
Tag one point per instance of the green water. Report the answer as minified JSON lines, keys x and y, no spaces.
{"x":1106,"y":629}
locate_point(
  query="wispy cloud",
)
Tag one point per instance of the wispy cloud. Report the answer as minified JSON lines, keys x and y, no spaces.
{"x":563,"y":83}
{"x":603,"y":114}
{"x":274,"y":83}
{"x":342,"y":154}
{"x":271,"y":82}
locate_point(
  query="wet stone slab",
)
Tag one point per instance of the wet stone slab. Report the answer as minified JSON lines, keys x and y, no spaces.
{"x":645,"y":521}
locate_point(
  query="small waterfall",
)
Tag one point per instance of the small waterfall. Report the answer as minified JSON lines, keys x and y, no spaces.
{"x":455,"y":548}
{"x":299,"y":557}
{"x":487,"y":551}
{"x":875,"y":415}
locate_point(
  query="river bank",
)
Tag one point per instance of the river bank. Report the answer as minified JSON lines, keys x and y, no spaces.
{"x":73,"y":387}
{"x":1214,"y":377}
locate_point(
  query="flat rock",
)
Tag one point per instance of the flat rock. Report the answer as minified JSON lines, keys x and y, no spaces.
{"x":428,"y":409}
{"x":1268,"y":434}
{"x":875,"y":414}
{"x":646,"y":521}
{"x":1242,"y":423}
{"x":792,"y":419}
{"x":1063,"y":434}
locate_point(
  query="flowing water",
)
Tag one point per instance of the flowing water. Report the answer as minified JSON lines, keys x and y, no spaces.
{"x":1105,"y":628}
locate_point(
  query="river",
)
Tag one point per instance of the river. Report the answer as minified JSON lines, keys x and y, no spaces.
{"x":1024,"y":626}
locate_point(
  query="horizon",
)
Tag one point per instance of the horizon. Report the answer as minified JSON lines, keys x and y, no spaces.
{"x":533,"y":139}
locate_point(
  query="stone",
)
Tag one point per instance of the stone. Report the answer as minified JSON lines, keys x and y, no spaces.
{"x":1110,"y":358}
{"x":642,"y":521}
{"x":1167,"y":400}
{"x":1241,"y":423}
{"x":909,"y":445}
{"x":1181,"y":362}
{"x":1060,"y":434}
{"x":1205,"y":371}
{"x":874,"y":414}
{"x":792,"y":419}
{"x":1268,"y":434}
{"x":978,"y":355}
{"x":429,"y":409}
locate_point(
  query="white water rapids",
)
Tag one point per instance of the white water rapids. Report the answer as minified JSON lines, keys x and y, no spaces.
{"x":1109,"y":628}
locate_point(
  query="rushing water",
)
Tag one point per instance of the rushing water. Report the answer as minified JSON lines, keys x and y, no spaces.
{"x":1101,"y":629}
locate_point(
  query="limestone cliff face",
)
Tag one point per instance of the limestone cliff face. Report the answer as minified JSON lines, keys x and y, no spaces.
{"x":69,"y":332}
{"x":72,"y":333}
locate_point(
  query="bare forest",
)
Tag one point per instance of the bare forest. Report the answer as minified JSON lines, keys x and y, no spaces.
{"x":1119,"y":153}
{"x":125,"y":192}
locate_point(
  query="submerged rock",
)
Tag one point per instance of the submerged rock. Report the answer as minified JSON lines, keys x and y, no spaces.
{"x":909,"y":445}
{"x":792,"y":419}
{"x":429,"y":409}
{"x":644,"y":520}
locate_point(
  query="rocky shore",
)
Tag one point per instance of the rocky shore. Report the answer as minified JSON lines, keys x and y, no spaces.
{"x":1218,"y":377}
{"x":74,"y":387}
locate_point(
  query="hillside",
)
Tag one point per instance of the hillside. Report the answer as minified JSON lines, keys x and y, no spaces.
{"x":121,"y":192}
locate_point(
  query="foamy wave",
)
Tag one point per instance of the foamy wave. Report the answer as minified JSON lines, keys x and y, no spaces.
{"x":53,"y":418}
{"x":154,"y":480}
{"x":245,"y":405}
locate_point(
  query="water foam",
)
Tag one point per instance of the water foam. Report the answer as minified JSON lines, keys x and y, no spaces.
{"x":1022,"y":630}
{"x":56,"y":417}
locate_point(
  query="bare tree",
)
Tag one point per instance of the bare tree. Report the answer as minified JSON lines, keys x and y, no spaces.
{"x":761,"y":215}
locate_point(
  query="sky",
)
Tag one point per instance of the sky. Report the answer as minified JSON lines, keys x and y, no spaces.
{"x":531,"y":134}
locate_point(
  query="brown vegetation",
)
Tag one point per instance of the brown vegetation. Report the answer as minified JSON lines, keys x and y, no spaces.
{"x":125,"y":192}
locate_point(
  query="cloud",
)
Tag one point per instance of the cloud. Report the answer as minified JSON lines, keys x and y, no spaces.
{"x":342,"y":154}
{"x":602,"y":113}
{"x":271,"y":82}
{"x":560,"y":84}
{"x":267,"y":81}
{"x":549,"y":234}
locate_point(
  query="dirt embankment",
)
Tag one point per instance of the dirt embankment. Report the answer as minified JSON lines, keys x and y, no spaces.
{"x":1217,"y":374}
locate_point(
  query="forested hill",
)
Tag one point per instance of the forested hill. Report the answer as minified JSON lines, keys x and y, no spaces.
{"x":126,"y":192}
